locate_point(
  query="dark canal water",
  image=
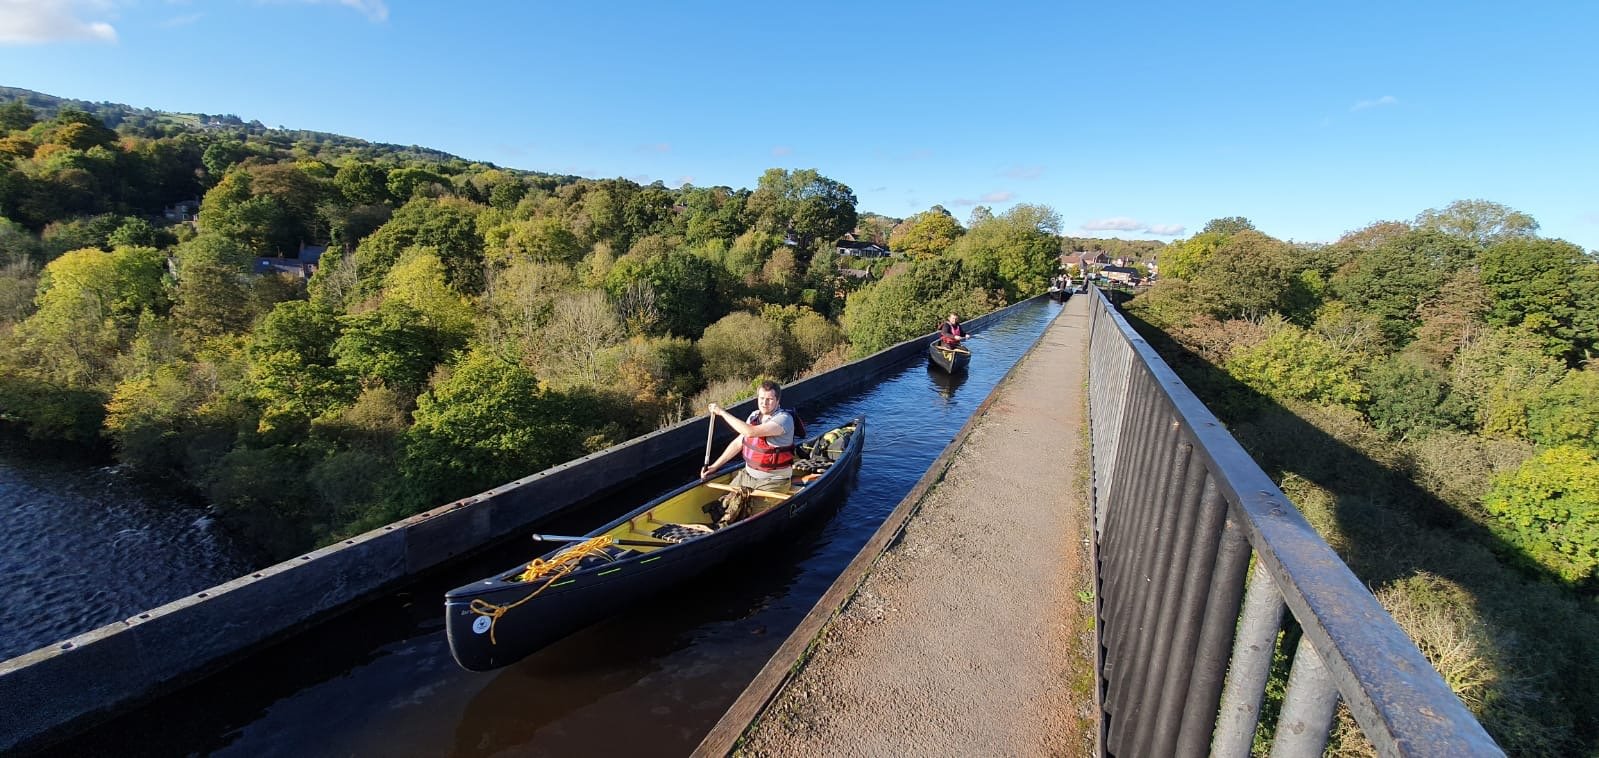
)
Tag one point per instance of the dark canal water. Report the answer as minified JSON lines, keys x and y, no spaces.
{"x":650,"y":680}
{"x":83,"y":547}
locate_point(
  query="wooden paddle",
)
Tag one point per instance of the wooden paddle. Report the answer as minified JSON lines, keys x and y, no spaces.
{"x":568,"y":538}
{"x":710,"y":432}
{"x":757,"y":493}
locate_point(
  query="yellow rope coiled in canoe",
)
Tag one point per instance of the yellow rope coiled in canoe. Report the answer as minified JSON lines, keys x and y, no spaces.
{"x":562,"y":564}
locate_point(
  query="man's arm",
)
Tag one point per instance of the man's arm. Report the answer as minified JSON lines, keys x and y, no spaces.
{"x":733,"y":449}
{"x":771,"y":428}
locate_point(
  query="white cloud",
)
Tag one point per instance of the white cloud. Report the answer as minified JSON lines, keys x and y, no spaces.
{"x":962,"y":201}
{"x":31,"y":22}
{"x":1378,"y":103}
{"x":682,"y":180}
{"x":1166,"y":230}
{"x":1023,"y":172}
{"x":781,"y":150}
{"x":1115,"y":224}
{"x":998,"y":197}
{"x":375,"y":10}
{"x":177,"y":21}
{"x":640,"y":179}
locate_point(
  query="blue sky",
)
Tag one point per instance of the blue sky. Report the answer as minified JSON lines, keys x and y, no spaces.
{"x":1137,"y":120}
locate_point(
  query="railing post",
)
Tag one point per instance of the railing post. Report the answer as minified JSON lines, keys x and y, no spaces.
{"x":1251,"y":665}
{"x":1308,"y":707}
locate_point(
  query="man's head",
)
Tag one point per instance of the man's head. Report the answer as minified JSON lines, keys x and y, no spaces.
{"x":953,"y":318}
{"x":768,"y":396}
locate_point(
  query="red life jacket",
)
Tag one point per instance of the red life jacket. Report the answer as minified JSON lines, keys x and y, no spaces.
{"x":763,"y":455}
{"x":948,"y":332}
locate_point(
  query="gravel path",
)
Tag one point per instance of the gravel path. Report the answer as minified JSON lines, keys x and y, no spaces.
{"x":971,"y":635}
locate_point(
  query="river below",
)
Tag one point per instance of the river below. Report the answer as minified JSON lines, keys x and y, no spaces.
{"x":84,"y":546}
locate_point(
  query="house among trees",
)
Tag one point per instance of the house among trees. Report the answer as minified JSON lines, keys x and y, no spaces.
{"x":1085,"y":261}
{"x":182,"y":211}
{"x":849,"y":246}
{"x":1121,"y":274}
{"x":284,"y":266}
{"x":301,"y":266}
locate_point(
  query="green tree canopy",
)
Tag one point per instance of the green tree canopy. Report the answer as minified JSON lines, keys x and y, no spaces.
{"x":1018,"y":248}
{"x":1480,"y":221}
{"x":1539,"y":286}
{"x":447,"y":226}
{"x":926,"y":234}
{"x":487,"y":423}
{"x":743,"y":345}
{"x":808,"y":205}
{"x":1393,"y":280}
{"x":1228,"y":226}
{"x":689,"y":292}
{"x":912,"y":301}
{"x":1550,"y":509}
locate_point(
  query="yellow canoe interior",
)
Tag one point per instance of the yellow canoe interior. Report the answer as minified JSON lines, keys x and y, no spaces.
{"x":688,"y":507}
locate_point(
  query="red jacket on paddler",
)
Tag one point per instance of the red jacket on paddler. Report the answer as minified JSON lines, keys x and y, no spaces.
{"x":950,"y":334}
{"x":763,"y":455}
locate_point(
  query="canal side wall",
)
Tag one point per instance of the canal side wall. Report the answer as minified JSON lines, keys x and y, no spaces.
{"x":89,"y":676}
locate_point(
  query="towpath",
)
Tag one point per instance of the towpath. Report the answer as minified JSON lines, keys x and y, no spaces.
{"x":972,"y":634}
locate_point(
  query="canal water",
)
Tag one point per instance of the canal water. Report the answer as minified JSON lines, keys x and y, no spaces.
{"x":84,"y":547}
{"x":650,"y":680}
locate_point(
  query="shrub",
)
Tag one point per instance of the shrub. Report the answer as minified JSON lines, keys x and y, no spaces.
{"x":1549,"y":508}
{"x":1292,"y":364}
{"x":1568,"y":413}
{"x":743,"y":346}
{"x":1408,"y":399}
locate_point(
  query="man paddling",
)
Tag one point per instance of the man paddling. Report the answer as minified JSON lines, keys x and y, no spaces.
{"x":766,"y":440}
{"x":951,"y":333}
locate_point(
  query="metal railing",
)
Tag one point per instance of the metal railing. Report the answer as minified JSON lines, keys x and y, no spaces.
{"x":1185,"y":648}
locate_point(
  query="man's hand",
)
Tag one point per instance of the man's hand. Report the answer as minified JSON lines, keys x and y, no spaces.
{"x":705,"y":471}
{"x":715,"y":409}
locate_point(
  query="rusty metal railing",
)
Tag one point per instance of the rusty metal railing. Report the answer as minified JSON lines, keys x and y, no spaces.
{"x":1187,"y":630}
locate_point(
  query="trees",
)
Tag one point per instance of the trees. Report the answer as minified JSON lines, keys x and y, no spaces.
{"x":1184,"y":259}
{"x":411,"y":182}
{"x":1550,"y":509}
{"x":291,"y":374}
{"x":1395,"y":278}
{"x":15,"y":116}
{"x":912,"y":302}
{"x":447,"y":226}
{"x":363,"y":183}
{"x":543,"y":240}
{"x":806,"y":204}
{"x":690,"y":292}
{"x":1019,"y":248}
{"x":1296,"y":365}
{"x":743,"y":345}
{"x":1497,"y":375}
{"x":582,"y":326}
{"x":1228,"y":226}
{"x":487,"y":423}
{"x":271,"y":209}
{"x":1568,"y":412}
{"x":1538,"y":286}
{"x":1480,"y":221}
{"x":392,"y":345}
{"x":926,"y":234}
